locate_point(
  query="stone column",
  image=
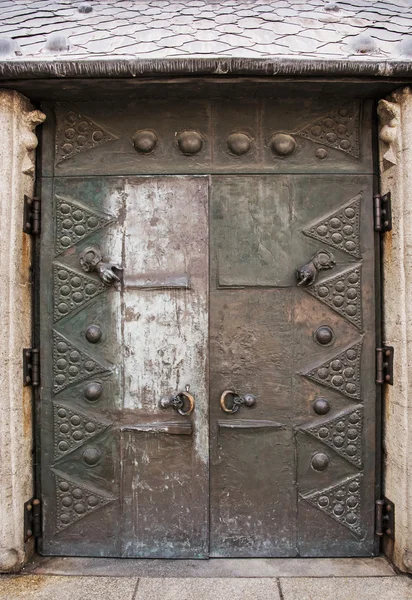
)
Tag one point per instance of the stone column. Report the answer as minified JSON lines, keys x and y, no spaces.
{"x":18,"y":120}
{"x":396,"y":176}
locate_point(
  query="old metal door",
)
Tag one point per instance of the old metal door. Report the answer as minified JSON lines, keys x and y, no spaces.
{"x":282,"y":194}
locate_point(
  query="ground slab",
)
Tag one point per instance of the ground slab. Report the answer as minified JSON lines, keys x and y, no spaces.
{"x":220,"y":567}
{"x":51,"y":587}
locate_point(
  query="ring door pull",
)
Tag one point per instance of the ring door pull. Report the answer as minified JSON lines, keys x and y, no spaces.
{"x":248,"y":400}
{"x":182,"y":402}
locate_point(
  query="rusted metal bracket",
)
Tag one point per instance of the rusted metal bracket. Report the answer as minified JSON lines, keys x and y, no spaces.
{"x":31,"y":215}
{"x":382,"y":208}
{"x":32,"y":519}
{"x":31,"y":367}
{"x":384,"y":365}
{"x":385,"y":518}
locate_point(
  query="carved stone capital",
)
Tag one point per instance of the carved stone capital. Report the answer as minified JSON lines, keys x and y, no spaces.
{"x":389,"y":116}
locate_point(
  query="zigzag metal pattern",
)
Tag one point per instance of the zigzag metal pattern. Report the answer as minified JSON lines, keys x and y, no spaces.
{"x":72,"y":290}
{"x":74,"y":502}
{"x":76,"y":133}
{"x":338,"y":129}
{"x":70,"y":365}
{"x":72,"y":429}
{"x":341,"y":502}
{"x":340,"y":229}
{"x":341,"y":372}
{"x":343,"y":293}
{"x":75,"y":221}
{"x":343,"y":434}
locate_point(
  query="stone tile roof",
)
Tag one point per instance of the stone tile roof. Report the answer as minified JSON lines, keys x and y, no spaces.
{"x":44,"y":30}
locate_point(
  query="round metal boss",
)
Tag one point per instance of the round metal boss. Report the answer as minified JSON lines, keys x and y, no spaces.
{"x":283,"y":144}
{"x":320,"y":461}
{"x":91,"y":456}
{"x":93,"y":391}
{"x":144,"y":141}
{"x":321,"y":406}
{"x":324,"y":335}
{"x":190,"y":142}
{"x":239,"y":143}
{"x":93,"y":334}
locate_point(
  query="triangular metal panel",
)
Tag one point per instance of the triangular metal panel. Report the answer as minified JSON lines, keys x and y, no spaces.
{"x":340,"y":372}
{"x":75,"y":501}
{"x":75,"y":221}
{"x":342,"y":293}
{"x":72,"y":290}
{"x":70,"y":364}
{"x":72,"y":429}
{"x":338,"y":129}
{"x":342,"y":433}
{"x":340,"y":229}
{"x":341,"y":502}
{"x":76,"y":133}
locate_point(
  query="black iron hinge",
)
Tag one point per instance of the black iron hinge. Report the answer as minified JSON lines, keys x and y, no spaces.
{"x":32,"y":519}
{"x":382,"y":209}
{"x":384,"y":365}
{"x":385,"y":518}
{"x":31,"y":366}
{"x":31,"y":215}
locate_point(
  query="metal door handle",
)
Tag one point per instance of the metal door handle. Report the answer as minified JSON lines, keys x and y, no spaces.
{"x":321,"y":261}
{"x":91,"y":259}
{"x":248,"y":400}
{"x":178,"y":401}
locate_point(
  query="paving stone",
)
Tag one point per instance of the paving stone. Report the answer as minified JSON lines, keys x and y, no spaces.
{"x":345,"y":588}
{"x":207,"y":589}
{"x":38,"y":587}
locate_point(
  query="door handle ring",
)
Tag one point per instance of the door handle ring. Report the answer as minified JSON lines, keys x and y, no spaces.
{"x":248,"y":400}
{"x":177,"y":402}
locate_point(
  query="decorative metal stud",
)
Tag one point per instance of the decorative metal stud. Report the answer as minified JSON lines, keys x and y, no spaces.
{"x":324,"y":335}
{"x":321,"y":406}
{"x":320,"y":461}
{"x":283,"y":144}
{"x":239,"y":143}
{"x":145,"y":141}
{"x":321,"y":153}
{"x":93,"y":334}
{"x":93,"y":391}
{"x":190,"y":142}
{"x":91,"y":456}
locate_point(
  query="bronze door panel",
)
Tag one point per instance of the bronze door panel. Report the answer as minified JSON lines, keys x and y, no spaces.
{"x":273,"y":135}
{"x":305,"y":352}
{"x":135,"y":322}
{"x":122,"y":475}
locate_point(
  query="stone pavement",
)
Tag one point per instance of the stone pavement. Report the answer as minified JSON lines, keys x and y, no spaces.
{"x":369,"y":579}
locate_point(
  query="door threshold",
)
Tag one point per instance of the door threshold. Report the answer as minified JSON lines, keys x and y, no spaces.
{"x":215,"y":567}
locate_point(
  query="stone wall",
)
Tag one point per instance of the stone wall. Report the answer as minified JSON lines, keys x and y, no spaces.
{"x":17,"y":143}
{"x":396,"y":176}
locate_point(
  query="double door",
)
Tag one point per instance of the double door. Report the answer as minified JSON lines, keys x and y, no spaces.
{"x":207,"y":318}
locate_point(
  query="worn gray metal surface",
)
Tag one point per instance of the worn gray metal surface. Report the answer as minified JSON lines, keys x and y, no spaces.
{"x":122,"y":38}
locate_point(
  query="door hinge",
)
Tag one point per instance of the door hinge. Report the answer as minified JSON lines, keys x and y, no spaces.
{"x":31,"y":215}
{"x":31,"y":366}
{"x":382,"y":209}
{"x":32,"y":519}
{"x":385,"y":518}
{"x":384,"y":365}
